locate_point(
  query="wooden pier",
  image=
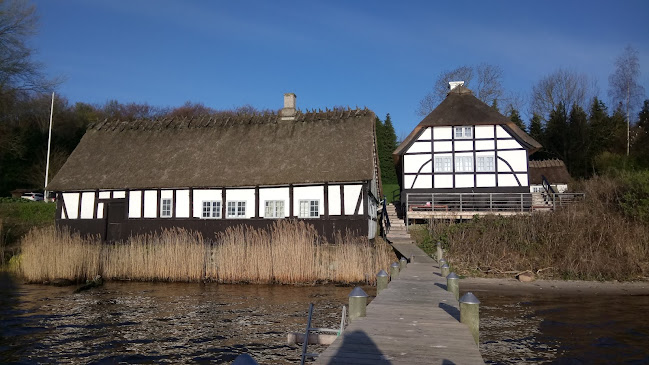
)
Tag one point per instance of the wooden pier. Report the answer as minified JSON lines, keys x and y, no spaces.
{"x":414,"y":321}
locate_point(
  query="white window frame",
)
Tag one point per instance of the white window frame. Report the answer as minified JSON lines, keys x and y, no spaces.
{"x":463,"y":163}
{"x":166,"y":213}
{"x":274,"y":209}
{"x":239,"y":208}
{"x":485,"y":164}
{"x":213,"y":209}
{"x":443,"y":164}
{"x":303,"y":213}
{"x":463,"y":132}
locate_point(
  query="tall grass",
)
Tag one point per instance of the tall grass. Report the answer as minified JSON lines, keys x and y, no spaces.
{"x":288,"y":252}
{"x":591,"y":240}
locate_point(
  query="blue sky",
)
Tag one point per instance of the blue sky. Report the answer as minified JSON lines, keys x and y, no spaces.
{"x":381,"y":54}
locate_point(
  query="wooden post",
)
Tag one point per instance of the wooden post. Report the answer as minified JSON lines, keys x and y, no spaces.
{"x":453,"y":284}
{"x":394,"y":270}
{"x":440,"y":254}
{"x":445,"y":269}
{"x":403,"y":263}
{"x":441,"y":263}
{"x":381,"y":281}
{"x":357,"y":303}
{"x":470,"y":314}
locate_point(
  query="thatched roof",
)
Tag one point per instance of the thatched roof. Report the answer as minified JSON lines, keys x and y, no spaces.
{"x":462,"y":108}
{"x":230,"y":151}
{"x":554,"y":170}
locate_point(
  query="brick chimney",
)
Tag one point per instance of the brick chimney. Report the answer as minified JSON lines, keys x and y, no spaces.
{"x":288,"y":112}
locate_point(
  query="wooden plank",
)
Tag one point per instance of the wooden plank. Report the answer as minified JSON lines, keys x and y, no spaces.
{"x":414,"y":321}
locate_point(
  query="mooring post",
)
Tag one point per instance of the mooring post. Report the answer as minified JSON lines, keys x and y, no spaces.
{"x":445,"y":270}
{"x":441,"y":262}
{"x":440,"y":253}
{"x":381,"y":281}
{"x":453,"y":284}
{"x":403,"y":263}
{"x":357,"y":303}
{"x":394,"y":270}
{"x":470,"y":314}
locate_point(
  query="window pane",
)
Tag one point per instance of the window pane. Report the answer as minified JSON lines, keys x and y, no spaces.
{"x":314,"y":212}
{"x":232,"y":209}
{"x":304,"y":208}
{"x":467,"y":132}
{"x":241,"y":209}
{"x":458,"y":132}
{"x":206,"y":209}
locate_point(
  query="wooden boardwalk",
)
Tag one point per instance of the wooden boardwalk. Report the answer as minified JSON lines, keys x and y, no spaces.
{"x":414,"y":321}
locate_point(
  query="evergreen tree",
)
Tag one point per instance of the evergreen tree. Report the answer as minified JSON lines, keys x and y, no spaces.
{"x":598,"y":125}
{"x":640,"y":147}
{"x":578,"y":142}
{"x":515,"y":117}
{"x":388,"y":145}
{"x":555,"y":133}
{"x":536,"y":128}
{"x":494,"y":105}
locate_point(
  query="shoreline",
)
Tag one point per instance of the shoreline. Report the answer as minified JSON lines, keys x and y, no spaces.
{"x":511,"y":286}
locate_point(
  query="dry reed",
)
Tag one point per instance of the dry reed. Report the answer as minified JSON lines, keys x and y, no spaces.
{"x":589,"y":240}
{"x":288,"y":252}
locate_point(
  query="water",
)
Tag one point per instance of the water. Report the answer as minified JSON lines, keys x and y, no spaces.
{"x":129,"y":322}
{"x":591,"y":329}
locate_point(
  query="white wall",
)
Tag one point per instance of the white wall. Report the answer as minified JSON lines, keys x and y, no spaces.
{"x":516,"y":159}
{"x":443,"y":181}
{"x":464,"y":181}
{"x":352,"y":193}
{"x":420,"y":147}
{"x":87,"y":205}
{"x":104,"y":195}
{"x":71,"y":202}
{"x":119,"y":194}
{"x":444,"y":146}
{"x":334,"y":200}
{"x":464,"y":145}
{"x":134,"y":204}
{"x":274,"y":194}
{"x":484,"y":131}
{"x":201,"y":195}
{"x":425,"y":135}
{"x":310,"y":193}
{"x":422,"y":182}
{"x":485,"y":145}
{"x":412,"y":163}
{"x":182,"y":203}
{"x":508,"y":143}
{"x":443,"y":132}
{"x":484,"y":181}
{"x":501,"y":133}
{"x":150,"y":203}
{"x":247,"y":195}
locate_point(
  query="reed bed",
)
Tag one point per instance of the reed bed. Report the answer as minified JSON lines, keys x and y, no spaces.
{"x":288,"y":252}
{"x":590,"y":240}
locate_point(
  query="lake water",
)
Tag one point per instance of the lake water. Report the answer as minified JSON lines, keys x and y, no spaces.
{"x":130,"y":322}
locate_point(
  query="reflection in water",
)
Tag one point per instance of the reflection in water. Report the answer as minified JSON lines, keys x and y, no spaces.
{"x":159,"y":322}
{"x":561,"y":329}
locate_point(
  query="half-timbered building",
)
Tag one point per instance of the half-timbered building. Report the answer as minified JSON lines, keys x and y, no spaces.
{"x":465,"y":158}
{"x":207,"y":174}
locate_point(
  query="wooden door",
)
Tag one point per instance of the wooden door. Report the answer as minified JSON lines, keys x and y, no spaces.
{"x":115,"y":217}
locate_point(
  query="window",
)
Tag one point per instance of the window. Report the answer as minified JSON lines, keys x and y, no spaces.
{"x":211,"y":209}
{"x":165,"y":209}
{"x":463,"y":132}
{"x":274,"y":209}
{"x":463,"y":163}
{"x":309,"y":209}
{"x":485,"y":163}
{"x":237,"y":209}
{"x":443,"y":164}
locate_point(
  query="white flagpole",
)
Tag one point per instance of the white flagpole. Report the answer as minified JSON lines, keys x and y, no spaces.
{"x":49,"y":143}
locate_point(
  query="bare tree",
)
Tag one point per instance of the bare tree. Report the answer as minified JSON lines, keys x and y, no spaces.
{"x":561,"y":86}
{"x":624,"y":88}
{"x":18,"y":22}
{"x":484,"y":80}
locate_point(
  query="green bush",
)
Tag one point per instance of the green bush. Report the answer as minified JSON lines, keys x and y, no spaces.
{"x":634,"y":200}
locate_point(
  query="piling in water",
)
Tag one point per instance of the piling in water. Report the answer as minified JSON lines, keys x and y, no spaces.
{"x":357,"y":303}
{"x":453,"y":284}
{"x":381,"y":281}
{"x":470,"y":314}
{"x":403,"y":263}
{"x":445,"y":270}
{"x":394,"y":270}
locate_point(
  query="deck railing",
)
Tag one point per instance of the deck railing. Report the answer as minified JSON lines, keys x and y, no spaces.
{"x":469,"y":202}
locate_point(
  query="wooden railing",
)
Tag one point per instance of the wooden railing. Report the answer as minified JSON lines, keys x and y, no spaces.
{"x":469,"y":202}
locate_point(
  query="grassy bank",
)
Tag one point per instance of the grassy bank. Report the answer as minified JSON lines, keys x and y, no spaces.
{"x":17,"y":217}
{"x":606,"y":237}
{"x":287,"y":253}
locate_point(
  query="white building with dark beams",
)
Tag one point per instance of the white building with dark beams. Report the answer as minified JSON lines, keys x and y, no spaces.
{"x":465,"y":156}
{"x":206,"y":174}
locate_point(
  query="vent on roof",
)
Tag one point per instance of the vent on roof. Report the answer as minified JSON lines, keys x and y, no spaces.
{"x":288,"y":112}
{"x":453,"y":84}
